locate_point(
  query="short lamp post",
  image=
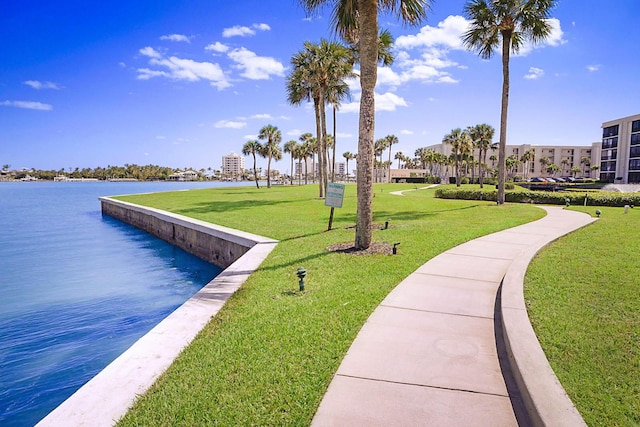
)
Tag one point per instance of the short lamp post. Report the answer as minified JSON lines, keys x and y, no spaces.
{"x":598,"y":213}
{"x":395,"y":248}
{"x":301,"y":272}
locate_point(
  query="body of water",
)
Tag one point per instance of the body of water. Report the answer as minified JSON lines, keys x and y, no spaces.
{"x":77,"y":289}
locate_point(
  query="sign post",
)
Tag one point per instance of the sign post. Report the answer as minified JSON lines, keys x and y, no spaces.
{"x":334,"y":198}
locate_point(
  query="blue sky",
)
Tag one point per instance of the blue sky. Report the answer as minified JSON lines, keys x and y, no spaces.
{"x":181,"y":83}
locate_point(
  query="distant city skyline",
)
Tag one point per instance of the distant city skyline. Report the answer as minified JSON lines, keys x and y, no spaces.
{"x":181,"y":84}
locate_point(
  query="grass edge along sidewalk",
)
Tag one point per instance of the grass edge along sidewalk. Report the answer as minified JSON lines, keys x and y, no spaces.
{"x":269,"y":355}
{"x":582,"y":296}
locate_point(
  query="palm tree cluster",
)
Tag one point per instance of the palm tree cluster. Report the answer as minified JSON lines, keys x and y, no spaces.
{"x":356,"y":21}
{"x":269,"y":149}
{"x":128,"y":171}
{"x":511,"y":22}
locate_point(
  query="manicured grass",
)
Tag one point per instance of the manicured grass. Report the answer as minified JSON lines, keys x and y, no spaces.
{"x":583,"y":296}
{"x":269,"y":355}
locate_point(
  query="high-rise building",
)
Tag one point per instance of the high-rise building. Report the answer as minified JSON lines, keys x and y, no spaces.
{"x":620,"y":160}
{"x":232,"y":165}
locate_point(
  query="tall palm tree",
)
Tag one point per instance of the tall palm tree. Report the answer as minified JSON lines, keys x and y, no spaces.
{"x":359,"y":19}
{"x":271,"y":148}
{"x":544,"y":162}
{"x":585,"y":161}
{"x":318,"y":74}
{"x":253,"y":147}
{"x":399,"y":156}
{"x":528,"y":157}
{"x":378,"y":149}
{"x":391,"y":140}
{"x":348,"y":156}
{"x":291,"y":147}
{"x":513,"y":22}
{"x":461,"y":144}
{"x":482,"y":137}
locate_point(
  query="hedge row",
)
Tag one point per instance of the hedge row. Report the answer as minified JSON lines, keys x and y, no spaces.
{"x":543,"y":197}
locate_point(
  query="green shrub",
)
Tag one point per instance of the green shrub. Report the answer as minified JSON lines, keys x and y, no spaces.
{"x":433,"y":179}
{"x":543,"y":197}
{"x":464,"y":180}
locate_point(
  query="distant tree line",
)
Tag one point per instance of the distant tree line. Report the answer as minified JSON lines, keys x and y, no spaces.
{"x":128,"y":171}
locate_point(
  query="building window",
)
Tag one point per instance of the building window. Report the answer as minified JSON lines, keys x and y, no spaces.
{"x":635,"y":138}
{"x":634,"y":164}
{"x":635,"y":126}
{"x":634,"y":151}
{"x":610,"y":131}
{"x":634,"y":177}
{"x":610,"y":142}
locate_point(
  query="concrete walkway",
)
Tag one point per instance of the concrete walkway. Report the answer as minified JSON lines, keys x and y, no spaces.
{"x":434,"y":354}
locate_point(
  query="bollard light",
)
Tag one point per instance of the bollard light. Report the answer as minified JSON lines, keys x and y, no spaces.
{"x":626,"y":209}
{"x":567,"y":201}
{"x":386,"y":224}
{"x":395,"y":248}
{"x":598,"y":213}
{"x":301,"y":272}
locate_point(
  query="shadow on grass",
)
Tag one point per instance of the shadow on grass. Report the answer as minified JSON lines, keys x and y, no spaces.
{"x":226,"y":206}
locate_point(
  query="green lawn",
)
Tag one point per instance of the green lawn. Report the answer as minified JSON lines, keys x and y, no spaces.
{"x":269,"y":355}
{"x":583,"y":295}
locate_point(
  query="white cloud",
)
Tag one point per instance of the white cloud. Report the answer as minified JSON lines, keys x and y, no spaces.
{"x":262,"y":116}
{"x":406,"y":132}
{"x":217,"y":47}
{"x":294,"y":132}
{"x":41,"y":85}
{"x":150,"y":52}
{"x":183,"y":69}
{"x":447,"y":34}
{"x":237,"y":31}
{"x":29,"y":105}
{"x":230,"y":124}
{"x":176,"y":38}
{"x":387,"y":101}
{"x":256,"y":67}
{"x":161,"y":137}
{"x":248,"y":137}
{"x":262,"y":27}
{"x":534,"y":73}
{"x":593,"y":68}
{"x":555,"y":39}
{"x":243,"y":31}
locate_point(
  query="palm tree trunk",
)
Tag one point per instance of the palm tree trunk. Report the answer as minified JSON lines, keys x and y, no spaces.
{"x":255,"y":171}
{"x":335,"y":142}
{"x":269,"y":172}
{"x":502,"y":149}
{"x":368,"y":29}
{"x":317,"y":107}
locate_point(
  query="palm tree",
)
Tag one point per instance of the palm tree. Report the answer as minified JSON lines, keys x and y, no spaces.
{"x":348,"y":156}
{"x":553,"y":168}
{"x":399,"y":156}
{"x":358,"y":20}
{"x":565,"y":164}
{"x":291,"y":147}
{"x":378,"y":148}
{"x":513,"y":22}
{"x":482,"y":136}
{"x":391,"y":139}
{"x":527,"y":157}
{"x":318,"y":74}
{"x":271,"y":148}
{"x":253,"y":147}
{"x":544,"y":162}
{"x":575,"y":170}
{"x":461,"y":144}
{"x":585,"y":161}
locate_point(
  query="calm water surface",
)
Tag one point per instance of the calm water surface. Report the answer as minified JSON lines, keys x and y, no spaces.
{"x":77,"y":289}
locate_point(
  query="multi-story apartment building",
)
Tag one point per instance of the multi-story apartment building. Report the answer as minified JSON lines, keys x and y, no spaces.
{"x":620,"y":161}
{"x":566,"y":157}
{"x":232,"y":165}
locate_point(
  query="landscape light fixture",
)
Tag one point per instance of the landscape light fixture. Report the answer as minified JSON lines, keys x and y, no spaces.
{"x":598,"y":213}
{"x":386,"y":224}
{"x":395,"y":248}
{"x":301,"y":272}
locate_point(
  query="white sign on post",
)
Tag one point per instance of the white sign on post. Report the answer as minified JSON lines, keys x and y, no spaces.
{"x":335,"y":195}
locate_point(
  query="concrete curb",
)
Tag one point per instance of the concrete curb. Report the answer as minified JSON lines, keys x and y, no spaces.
{"x":544,"y":398}
{"x":110,"y":394}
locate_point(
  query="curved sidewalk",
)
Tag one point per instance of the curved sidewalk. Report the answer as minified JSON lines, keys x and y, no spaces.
{"x":433,"y":352}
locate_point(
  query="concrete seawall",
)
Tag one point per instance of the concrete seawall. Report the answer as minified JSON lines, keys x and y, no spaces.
{"x":107,"y":396}
{"x":218,"y":245}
